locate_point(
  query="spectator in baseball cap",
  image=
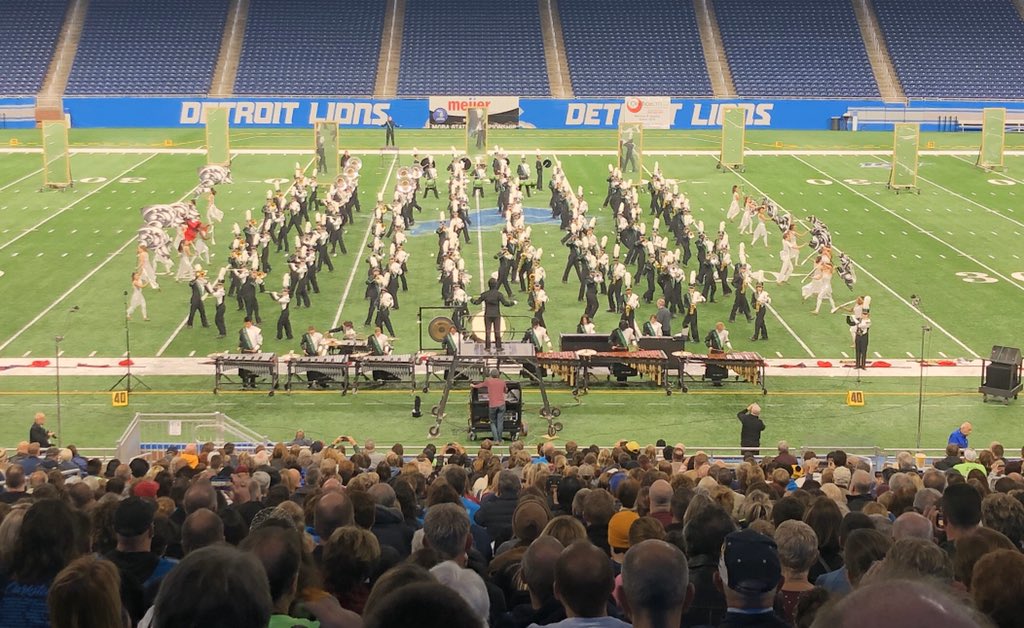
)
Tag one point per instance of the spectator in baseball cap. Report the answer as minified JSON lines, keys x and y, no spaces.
{"x":749,"y":574}
{"x":141,"y":569}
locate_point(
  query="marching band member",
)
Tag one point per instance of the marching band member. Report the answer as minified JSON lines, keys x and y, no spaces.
{"x":523,"y":173}
{"x":690,"y":301}
{"x":452,"y":341}
{"x":537,"y":302}
{"x":592,"y":281}
{"x":856,"y":312}
{"x":760,"y":301}
{"x":585,"y":326}
{"x":863,"y":327}
{"x":250,"y":340}
{"x":538,"y":165}
{"x":312,"y":343}
{"x":623,"y":338}
{"x":538,"y":336}
{"x":137,"y":300}
{"x":217,"y":292}
{"x":380,"y":344}
{"x":717,"y":339}
{"x":284,"y":322}
{"x":385,"y":302}
{"x":198,"y":286}
{"x":630,"y":304}
{"x":652,"y":327}
{"x":492,"y":299}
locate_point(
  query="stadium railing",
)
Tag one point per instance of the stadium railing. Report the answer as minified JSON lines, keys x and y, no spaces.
{"x":149,"y":433}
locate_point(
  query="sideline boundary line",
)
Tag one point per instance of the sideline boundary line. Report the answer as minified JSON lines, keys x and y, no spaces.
{"x":126,"y":150}
{"x":874,"y":278}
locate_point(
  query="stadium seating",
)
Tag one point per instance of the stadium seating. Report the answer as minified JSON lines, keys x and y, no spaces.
{"x":805,"y":48}
{"x":644,"y":47}
{"x":28,"y":33}
{"x":140,"y":48}
{"x":466,"y":47}
{"x":953,"y":49}
{"x":311,"y":47}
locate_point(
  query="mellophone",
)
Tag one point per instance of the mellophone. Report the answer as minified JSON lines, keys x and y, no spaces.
{"x":385,"y":368}
{"x":322,"y":369}
{"x":748,"y":365}
{"x":258,"y":364}
{"x":575,"y":367}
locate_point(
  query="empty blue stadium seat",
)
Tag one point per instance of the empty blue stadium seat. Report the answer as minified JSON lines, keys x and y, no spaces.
{"x":467,"y":47}
{"x":636,"y":48}
{"x":802,"y":48}
{"x":146,"y":48}
{"x":311,"y":47}
{"x":28,"y":35}
{"x":955,"y":49}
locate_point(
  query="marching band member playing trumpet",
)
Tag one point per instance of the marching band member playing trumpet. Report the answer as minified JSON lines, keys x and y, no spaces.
{"x":198,"y":287}
{"x":284,"y":322}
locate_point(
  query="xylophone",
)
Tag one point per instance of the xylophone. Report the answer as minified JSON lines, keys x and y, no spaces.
{"x":319,"y":370}
{"x":385,"y":369}
{"x":438,"y":365}
{"x":259,"y":364}
{"x":575,"y":367}
{"x":345,"y":347}
{"x":748,"y":365}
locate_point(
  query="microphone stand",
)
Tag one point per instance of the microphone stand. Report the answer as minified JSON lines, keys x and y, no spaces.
{"x":56,"y":363}
{"x":128,"y":377}
{"x":925,"y":329}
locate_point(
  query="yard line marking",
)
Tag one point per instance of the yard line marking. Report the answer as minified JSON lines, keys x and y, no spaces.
{"x":31,"y":174}
{"x":920,"y":229}
{"x":26,"y":354}
{"x":845,"y":354}
{"x":366,"y":237}
{"x":92,"y":354}
{"x":480,"y":242}
{"x":192,"y":353}
{"x":972,"y":201}
{"x":66,"y":293}
{"x":943,"y":354}
{"x":878,"y":281}
{"x":910,"y":355}
{"x":25,"y":232}
{"x":877,"y":354}
{"x":171,"y":338}
{"x":786,"y":326}
{"x":778,"y":354}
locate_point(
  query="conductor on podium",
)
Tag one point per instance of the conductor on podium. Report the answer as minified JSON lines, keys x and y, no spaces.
{"x":493,"y":299}
{"x":389,"y":131}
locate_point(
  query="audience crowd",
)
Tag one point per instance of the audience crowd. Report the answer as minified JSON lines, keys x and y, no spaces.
{"x":342,"y":534}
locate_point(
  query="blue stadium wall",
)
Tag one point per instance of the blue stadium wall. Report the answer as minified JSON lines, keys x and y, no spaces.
{"x":804,"y":114}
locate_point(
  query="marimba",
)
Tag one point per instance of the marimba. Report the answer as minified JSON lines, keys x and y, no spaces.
{"x":575,"y":367}
{"x":323,"y":370}
{"x":259,"y":364}
{"x":747,"y":365}
{"x":439,"y":364}
{"x":382,"y":369}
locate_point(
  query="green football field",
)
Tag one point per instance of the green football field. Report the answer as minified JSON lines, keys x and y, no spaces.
{"x":956,"y":245}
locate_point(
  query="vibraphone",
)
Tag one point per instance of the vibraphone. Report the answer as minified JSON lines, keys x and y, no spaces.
{"x":575,"y":368}
{"x":333,"y":368}
{"x":385,"y":369}
{"x":748,"y":366}
{"x":259,"y":364}
{"x":438,"y":365}
{"x":345,"y":347}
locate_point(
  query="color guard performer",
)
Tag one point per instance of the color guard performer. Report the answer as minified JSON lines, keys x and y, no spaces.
{"x":137,"y":300}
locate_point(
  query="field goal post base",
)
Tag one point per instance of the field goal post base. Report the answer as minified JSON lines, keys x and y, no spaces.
{"x":326,"y":151}
{"x":903,"y":172}
{"x":218,"y":137}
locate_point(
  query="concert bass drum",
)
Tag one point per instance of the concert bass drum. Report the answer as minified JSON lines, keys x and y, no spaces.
{"x":476,"y":327}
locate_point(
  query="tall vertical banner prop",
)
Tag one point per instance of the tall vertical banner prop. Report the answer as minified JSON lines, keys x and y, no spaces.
{"x":631,"y":147}
{"x":903,"y":175}
{"x":325,"y":141}
{"x":476,"y":132}
{"x":734,"y":131}
{"x":993,"y":138}
{"x":56,"y":159}
{"x":218,"y":140}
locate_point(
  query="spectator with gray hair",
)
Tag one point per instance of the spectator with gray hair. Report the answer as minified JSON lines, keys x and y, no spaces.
{"x":861,"y":483}
{"x":798,"y":551}
{"x":1004,"y":514}
{"x":468,"y":584}
{"x":898,"y":603}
